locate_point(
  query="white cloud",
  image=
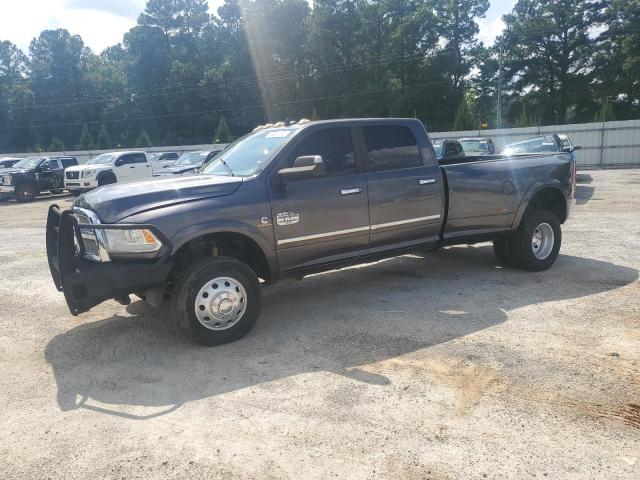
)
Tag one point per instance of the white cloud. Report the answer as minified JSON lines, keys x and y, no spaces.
{"x":492,"y":25}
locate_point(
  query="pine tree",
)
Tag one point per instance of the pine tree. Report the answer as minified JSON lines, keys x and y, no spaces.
{"x":56,"y":145}
{"x":104,"y":140}
{"x":86,"y":140}
{"x":222,"y":132}
{"x":464,"y":115}
{"x":143,"y":140}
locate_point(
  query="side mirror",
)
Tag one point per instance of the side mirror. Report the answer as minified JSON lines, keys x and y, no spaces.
{"x":45,"y":168}
{"x":119,"y":163}
{"x":571,"y":149}
{"x":304,"y":167}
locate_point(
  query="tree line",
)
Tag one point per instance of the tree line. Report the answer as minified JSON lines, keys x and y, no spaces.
{"x":183,"y":76}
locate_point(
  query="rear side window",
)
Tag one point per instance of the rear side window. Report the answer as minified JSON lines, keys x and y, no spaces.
{"x":335,"y":145}
{"x":391,"y":147}
{"x":68,"y":162}
{"x":52,"y":164}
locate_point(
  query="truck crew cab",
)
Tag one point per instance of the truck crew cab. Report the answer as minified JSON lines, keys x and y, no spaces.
{"x":33,"y":175}
{"x":108,"y":168}
{"x":296,"y":199}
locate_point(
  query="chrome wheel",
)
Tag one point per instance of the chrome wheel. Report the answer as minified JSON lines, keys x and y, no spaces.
{"x":542,"y":241}
{"x":221,"y":303}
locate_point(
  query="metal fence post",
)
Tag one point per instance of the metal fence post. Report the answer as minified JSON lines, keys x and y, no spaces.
{"x":602,"y":130}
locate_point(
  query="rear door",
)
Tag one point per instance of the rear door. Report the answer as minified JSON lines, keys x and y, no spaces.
{"x":406,"y":193}
{"x":321,"y":219}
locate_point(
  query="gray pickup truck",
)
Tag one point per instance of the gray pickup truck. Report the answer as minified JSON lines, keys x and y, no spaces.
{"x":295,"y":199}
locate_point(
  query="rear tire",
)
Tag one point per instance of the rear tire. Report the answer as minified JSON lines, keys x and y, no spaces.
{"x":76,"y":193}
{"x":57,"y":191}
{"x":217,"y":300}
{"x":25,"y":192}
{"x":536,"y":244}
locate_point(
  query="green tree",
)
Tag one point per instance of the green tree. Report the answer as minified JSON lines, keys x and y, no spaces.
{"x":222,"y":135}
{"x":548,"y":54}
{"x":143,"y":140}
{"x":86,"y":139}
{"x":605,"y":114}
{"x":104,"y":140}
{"x":524,"y":119}
{"x":465,"y":118}
{"x":56,"y":145}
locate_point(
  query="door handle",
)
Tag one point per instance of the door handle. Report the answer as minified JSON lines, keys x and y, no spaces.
{"x":132,"y":166}
{"x":350,"y":191}
{"x":426,"y":181}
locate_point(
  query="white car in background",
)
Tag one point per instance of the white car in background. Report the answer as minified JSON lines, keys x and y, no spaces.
{"x":114,"y":167}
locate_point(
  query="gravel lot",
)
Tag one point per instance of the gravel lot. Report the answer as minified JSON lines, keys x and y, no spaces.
{"x":436,"y":366}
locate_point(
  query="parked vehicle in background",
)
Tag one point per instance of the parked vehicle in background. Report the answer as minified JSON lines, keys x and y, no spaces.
{"x":298,"y":199}
{"x":448,"y":148}
{"x":6,"y":162}
{"x":478,"y":146}
{"x":108,"y":168}
{"x":33,"y":175}
{"x":188,"y":163}
{"x":543,"y":144}
{"x":163,"y":159}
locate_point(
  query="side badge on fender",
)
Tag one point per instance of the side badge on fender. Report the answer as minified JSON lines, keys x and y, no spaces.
{"x":287,"y":218}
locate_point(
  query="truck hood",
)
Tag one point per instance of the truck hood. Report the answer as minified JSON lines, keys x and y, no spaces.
{"x":115,"y":202}
{"x":13,"y":171}
{"x":95,"y":166}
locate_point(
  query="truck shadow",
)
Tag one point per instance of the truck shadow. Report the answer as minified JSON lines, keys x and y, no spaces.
{"x":140,"y":367}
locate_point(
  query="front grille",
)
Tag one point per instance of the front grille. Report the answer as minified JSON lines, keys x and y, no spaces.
{"x":73,"y":175}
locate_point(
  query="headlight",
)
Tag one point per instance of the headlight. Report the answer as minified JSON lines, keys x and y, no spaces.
{"x":89,"y":173}
{"x":121,"y":241}
{"x":6,"y":180}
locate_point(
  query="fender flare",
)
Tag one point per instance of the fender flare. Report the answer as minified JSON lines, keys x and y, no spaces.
{"x":253,"y":233}
{"x":532,"y":192}
{"x":102,"y":173}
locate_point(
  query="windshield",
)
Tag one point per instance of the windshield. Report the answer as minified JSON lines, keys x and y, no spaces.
{"x":29,"y":162}
{"x":545,"y":144}
{"x":102,"y":159}
{"x":192,"y":158}
{"x":249,"y":154}
{"x":476,"y":146}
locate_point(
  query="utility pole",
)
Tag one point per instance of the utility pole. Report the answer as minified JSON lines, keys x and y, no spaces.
{"x":499,"y":106}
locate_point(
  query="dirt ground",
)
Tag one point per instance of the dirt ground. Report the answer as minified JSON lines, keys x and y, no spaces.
{"x":435,"y":366}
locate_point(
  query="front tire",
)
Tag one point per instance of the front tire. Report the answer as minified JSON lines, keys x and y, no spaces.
{"x":536,"y":244}
{"x":217,"y":300}
{"x":107,"y":179}
{"x":25,"y":192}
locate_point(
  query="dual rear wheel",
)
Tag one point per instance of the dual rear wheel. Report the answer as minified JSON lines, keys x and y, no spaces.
{"x":536,"y":244}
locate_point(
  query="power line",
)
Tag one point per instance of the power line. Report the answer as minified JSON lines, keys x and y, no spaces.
{"x":223,"y":110}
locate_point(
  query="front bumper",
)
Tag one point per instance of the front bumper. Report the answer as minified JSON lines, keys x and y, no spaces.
{"x":7,"y":190}
{"x":86,"y":284}
{"x":80,"y":184}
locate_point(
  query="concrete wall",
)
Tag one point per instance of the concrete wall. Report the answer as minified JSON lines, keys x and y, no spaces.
{"x":85,"y":155}
{"x":604,"y":145}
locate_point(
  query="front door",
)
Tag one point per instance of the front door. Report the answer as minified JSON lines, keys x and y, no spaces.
{"x":321,"y":219}
{"x":405,"y":187}
{"x":50,"y":174}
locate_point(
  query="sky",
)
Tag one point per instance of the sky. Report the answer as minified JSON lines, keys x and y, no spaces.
{"x":102,"y":23}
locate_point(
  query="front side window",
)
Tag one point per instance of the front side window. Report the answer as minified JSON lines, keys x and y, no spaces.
{"x":391,"y":147}
{"x":334,"y":145}
{"x":132,"y":158}
{"x":51,"y":165}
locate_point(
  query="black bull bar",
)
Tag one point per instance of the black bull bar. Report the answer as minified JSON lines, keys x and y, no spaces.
{"x":84,"y":283}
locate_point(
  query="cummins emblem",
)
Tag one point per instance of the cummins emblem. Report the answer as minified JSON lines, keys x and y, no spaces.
{"x":287,"y":218}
